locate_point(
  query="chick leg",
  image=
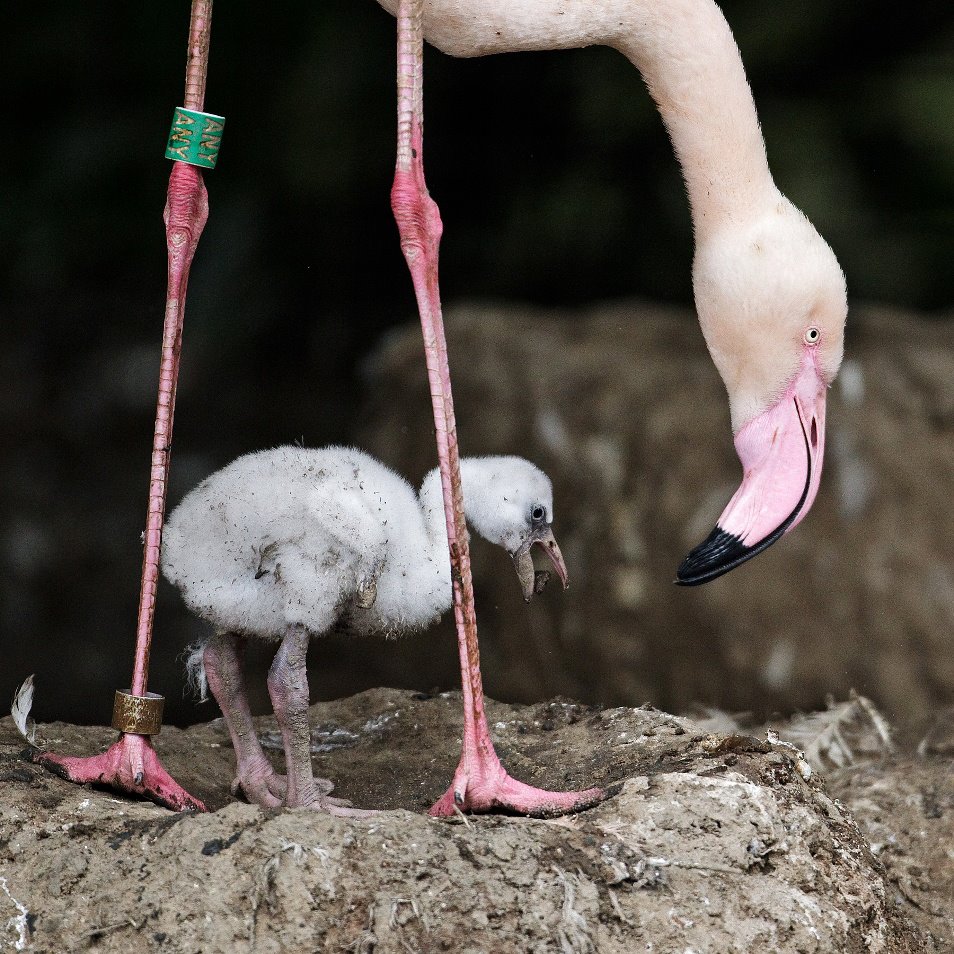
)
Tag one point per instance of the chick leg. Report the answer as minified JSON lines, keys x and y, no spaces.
{"x":288,"y":690}
{"x":254,"y":773}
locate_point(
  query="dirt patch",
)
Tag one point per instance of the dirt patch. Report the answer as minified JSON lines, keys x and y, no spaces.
{"x":710,"y":842}
{"x":905,"y":809}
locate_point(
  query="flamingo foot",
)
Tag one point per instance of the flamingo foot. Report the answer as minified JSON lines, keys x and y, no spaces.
{"x":488,"y":788}
{"x":270,"y":790}
{"x":129,"y":765}
{"x":259,"y":782}
{"x":315,"y":797}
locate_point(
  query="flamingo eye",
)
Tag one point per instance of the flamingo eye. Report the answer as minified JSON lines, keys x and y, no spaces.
{"x":812,"y":335}
{"x":538,"y":513}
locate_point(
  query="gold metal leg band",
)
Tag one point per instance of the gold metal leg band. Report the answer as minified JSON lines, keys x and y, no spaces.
{"x":139,"y":715}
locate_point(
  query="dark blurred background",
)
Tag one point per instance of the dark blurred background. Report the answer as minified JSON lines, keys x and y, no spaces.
{"x":557,"y":187}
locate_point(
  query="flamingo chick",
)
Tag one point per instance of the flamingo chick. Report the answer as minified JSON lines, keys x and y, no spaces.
{"x":283,"y":544}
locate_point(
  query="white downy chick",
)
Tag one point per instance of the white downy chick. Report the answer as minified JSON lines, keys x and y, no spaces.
{"x":298,"y":537}
{"x":285,"y":543}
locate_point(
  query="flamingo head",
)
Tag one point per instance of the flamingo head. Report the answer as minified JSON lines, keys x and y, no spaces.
{"x":509,"y":501}
{"x":772,"y":303}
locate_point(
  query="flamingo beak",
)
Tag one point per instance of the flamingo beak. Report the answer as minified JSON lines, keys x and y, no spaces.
{"x":533,"y":581}
{"x":781,"y":452}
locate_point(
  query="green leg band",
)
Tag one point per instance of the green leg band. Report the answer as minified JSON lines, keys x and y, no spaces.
{"x":195,"y":137}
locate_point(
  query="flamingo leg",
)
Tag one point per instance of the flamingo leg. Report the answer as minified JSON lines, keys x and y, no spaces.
{"x":131,"y":763}
{"x":254,"y":774}
{"x":288,"y":690}
{"x":480,"y":783}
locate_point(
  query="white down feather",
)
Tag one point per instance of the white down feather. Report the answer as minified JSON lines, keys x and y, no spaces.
{"x":282,"y":538}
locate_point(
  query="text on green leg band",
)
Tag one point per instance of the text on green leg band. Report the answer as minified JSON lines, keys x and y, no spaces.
{"x":195,"y":137}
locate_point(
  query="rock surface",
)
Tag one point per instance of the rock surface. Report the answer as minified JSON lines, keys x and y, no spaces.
{"x":709,"y":842}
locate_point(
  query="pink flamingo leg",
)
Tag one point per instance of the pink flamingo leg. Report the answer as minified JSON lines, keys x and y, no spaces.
{"x":131,"y":764}
{"x":481,"y":783}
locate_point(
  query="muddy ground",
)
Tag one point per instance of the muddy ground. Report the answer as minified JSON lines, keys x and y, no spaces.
{"x":714,"y":839}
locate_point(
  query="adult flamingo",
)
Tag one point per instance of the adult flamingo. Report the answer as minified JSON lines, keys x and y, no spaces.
{"x":480,"y":782}
{"x":769,"y":292}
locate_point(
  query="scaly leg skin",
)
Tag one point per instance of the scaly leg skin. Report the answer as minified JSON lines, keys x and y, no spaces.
{"x":132,"y":766}
{"x":288,"y":690}
{"x":480,"y":783}
{"x":254,"y":774}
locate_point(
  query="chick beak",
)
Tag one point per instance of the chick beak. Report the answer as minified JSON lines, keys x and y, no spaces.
{"x":533,"y":581}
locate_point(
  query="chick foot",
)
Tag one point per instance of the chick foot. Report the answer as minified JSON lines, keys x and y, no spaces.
{"x":259,"y":782}
{"x":262,"y":785}
{"x":316,"y":797}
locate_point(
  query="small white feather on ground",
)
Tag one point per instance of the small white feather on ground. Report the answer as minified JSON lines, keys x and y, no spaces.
{"x":842,"y":734}
{"x":20,"y":711}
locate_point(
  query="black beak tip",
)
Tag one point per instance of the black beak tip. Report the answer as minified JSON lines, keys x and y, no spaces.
{"x":717,"y":554}
{"x":722,"y":551}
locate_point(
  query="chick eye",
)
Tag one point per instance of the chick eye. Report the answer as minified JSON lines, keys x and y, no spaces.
{"x":812,"y":335}
{"x":538,"y":512}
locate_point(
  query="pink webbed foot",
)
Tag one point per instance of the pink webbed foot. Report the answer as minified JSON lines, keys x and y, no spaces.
{"x":129,"y":765}
{"x":489,"y":788}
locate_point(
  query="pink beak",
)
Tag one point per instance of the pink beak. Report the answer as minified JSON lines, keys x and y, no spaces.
{"x":781,"y":452}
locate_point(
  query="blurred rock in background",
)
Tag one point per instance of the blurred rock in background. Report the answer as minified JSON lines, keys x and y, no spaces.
{"x":622,"y":407}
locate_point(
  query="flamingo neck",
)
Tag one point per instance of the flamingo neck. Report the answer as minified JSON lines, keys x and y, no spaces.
{"x":688,"y":58}
{"x":691,"y":65}
{"x":431,"y":499}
